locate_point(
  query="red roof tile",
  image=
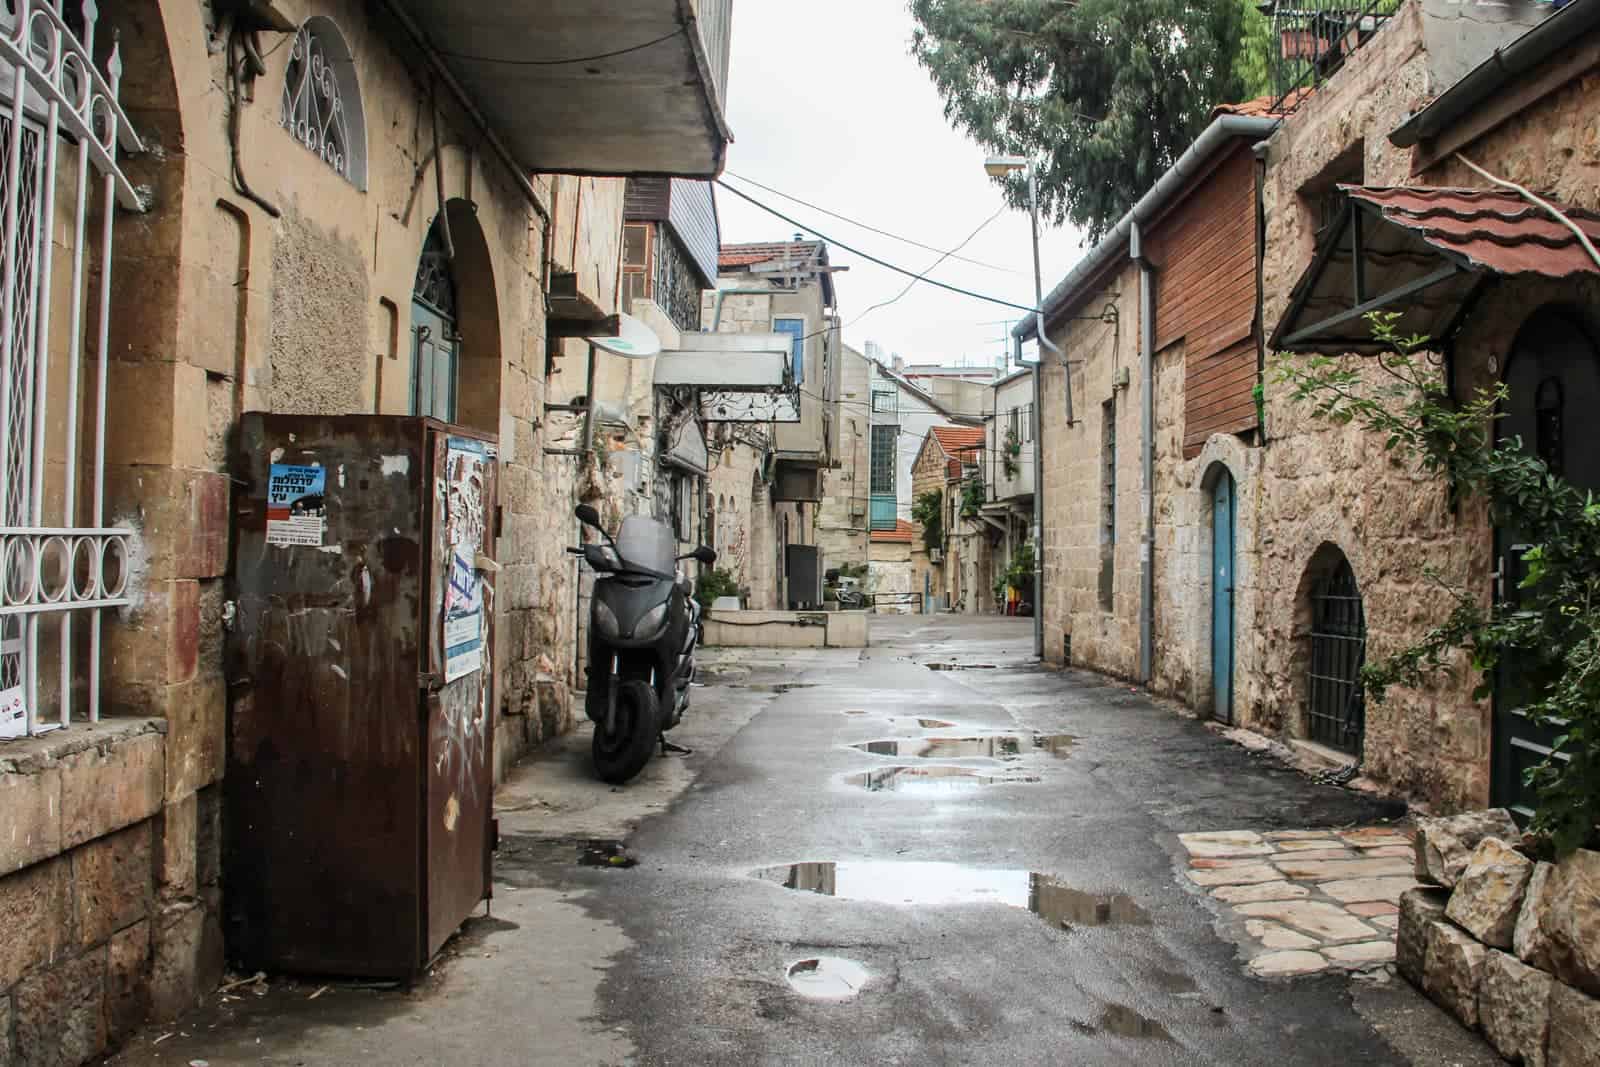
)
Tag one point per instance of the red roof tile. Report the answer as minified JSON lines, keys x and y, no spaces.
{"x":955,"y":439}
{"x":746,"y":255}
{"x":900,"y":535}
{"x":1261,"y":106}
{"x":1491,"y":229}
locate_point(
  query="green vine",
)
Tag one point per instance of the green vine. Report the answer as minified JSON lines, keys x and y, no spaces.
{"x":1542,"y":642}
{"x":972,"y":496}
{"x":928,"y":511}
{"x":1010,"y":453}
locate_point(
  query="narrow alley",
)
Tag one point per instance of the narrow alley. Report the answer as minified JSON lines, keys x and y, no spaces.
{"x":995,"y":845}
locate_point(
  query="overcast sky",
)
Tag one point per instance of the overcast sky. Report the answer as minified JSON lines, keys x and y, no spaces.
{"x":827,"y":104}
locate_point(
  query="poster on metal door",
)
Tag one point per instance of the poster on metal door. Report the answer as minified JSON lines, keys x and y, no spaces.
{"x":464,"y":465}
{"x":296,"y":505}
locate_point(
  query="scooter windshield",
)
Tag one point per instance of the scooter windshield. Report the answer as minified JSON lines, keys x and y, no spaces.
{"x":645,"y":542}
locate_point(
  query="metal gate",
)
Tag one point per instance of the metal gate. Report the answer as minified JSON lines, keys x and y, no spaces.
{"x":1336,"y":705}
{"x":60,"y":187}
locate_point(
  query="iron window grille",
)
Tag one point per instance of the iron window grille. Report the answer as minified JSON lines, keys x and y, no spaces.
{"x":1336,"y":703}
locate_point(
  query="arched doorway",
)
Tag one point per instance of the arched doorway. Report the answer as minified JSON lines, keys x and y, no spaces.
{"x":1335,"y":701}
{"x":1552,"y":379}
{"x":436,"y":341}
{"x":455,"y":324}
{"x":1223,"y":524}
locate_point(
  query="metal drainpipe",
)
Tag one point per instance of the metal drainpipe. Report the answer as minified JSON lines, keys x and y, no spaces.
{"x":1147,"y":570}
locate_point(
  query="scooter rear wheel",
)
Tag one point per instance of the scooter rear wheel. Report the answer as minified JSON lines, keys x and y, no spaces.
{"x":621,"y":754}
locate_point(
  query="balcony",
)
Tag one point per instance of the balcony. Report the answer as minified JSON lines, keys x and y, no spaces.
{"x":654,"y":104}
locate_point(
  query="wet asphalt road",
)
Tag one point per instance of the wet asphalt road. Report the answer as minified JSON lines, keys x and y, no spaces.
{"x":970,"y":982}
{"x":681,"y":958}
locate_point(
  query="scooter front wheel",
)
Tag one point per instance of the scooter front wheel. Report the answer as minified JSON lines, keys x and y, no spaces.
{"x":622,"y":753}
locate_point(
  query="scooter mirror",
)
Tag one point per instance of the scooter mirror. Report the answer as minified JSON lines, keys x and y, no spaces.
{"x":705,"y":554}
{"x":587,"y":515}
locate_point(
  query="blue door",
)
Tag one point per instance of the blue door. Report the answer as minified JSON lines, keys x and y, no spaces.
{"x":1222,"y":525}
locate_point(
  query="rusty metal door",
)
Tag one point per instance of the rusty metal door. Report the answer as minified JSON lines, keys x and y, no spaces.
{"x":360,"y":738}
{"x":324,"y":822}
{"x":459,"y":705}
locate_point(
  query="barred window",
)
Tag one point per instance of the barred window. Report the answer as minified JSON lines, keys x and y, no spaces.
{"x":883,"y":456}
{"x":321,"y":101}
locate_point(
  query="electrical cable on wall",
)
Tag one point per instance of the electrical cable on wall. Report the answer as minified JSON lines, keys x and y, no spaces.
{"x":507,"y":62}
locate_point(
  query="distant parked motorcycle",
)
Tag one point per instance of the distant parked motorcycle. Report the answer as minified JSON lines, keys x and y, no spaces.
{"x":644,"y":624}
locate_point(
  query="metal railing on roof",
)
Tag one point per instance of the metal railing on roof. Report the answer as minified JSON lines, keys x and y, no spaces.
{"x":1314,"y":38}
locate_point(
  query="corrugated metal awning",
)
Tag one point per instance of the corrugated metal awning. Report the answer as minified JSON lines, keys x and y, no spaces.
{"x":1423,"y":252}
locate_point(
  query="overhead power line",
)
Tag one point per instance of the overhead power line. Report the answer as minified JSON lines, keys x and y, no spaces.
{"x":933,"y":267}
{"x":866,"y":225}
{"x":869,"y":257}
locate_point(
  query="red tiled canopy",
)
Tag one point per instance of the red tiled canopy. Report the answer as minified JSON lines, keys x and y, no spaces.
{"x":1424,"y":253}
{"x":1492,"y":229}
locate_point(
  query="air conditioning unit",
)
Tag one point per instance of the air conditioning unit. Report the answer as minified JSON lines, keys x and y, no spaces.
{"x":936,"y":555}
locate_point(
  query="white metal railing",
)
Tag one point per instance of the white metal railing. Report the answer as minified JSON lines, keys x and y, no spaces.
{"x":53,"y":97}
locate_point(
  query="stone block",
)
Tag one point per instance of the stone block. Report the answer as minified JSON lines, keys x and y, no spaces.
{"x":60,"y":1011}
{"x":1571,"y":920}
{"x":177,"y":942}
{"x":181,"y":516}
{"x":1250,"y":874}
{"x":109,"y":787}
{"x":1574,"y":1028}
{"x":1528,"y":940}
{"x":1289,"y":963}
{"x":196,"y":713}
{"x":1366,"y":890}
{"x":1317,"y":918}
{"x":1453,"y":971}
{"x":7,"y":1058}
{"x":1255,"y":894}
{"x":208,"y":836}
{"x":1342,"y":870}
{"x":111,"y":883}
{"x":1488,"y":894}
{"x":158,"y":643}
{"x":31,"y":802}
{"x":36,"y":916}
{"x":1273,"y":936}
{"x":127,"y":997}
{"x":1514,"y":1008}
{"x":177,"y":840}
{"x":1444,"y":846}
{"x":1361,"y":953}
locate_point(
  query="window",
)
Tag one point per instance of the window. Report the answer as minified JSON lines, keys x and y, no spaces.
{"x":1013,"y":423}
{"x":885,"y":400}
{"x":636,"y":241}
{"x":796,"y":329}
{"x":1108,"y":501}
{"x":883,"y":457}
{"x":321,"y":105}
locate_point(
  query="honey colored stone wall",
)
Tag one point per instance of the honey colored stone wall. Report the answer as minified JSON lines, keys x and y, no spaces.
{"x":1104,"y":633}
{"x":1324,"y":485}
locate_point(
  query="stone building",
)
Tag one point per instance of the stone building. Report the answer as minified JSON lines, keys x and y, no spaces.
{"x":842,"y":522}
{"x":948,"y":572}
{"x":786,"y":288}
{"x":312,"y":206}
{"x":1008,"y":471}
{"x":1280,"y":551}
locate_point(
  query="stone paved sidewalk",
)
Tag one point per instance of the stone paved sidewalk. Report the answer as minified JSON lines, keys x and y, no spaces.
{"x":1307,"y":901}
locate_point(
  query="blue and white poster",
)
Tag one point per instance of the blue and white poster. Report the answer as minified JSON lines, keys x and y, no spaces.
{"x":296,"y":505}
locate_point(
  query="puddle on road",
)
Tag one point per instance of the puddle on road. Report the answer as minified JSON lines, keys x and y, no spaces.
{"x":960,"y":666}
{"x":1007,"y":747}
{"x":944,"y":884}
{"x":930,"y":780}
{"x":827,"y":978}
{"x":1125,"y":1022}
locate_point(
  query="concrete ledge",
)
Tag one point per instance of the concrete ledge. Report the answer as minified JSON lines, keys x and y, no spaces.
{"x":786,"y":629}
{"x":74,"y":785}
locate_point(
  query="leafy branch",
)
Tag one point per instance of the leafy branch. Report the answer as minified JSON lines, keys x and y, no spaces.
{"x":1537,"y":644}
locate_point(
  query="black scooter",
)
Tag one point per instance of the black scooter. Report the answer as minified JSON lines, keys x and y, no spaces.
{"x":644,"y":624}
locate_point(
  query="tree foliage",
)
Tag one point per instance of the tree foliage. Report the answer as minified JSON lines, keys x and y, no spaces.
{"x":928,"y":511}
{"x":1105,"y":94}
{"x":1541,"y":644}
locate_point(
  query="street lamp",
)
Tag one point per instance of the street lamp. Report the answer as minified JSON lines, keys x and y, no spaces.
{"x":999,"y":167}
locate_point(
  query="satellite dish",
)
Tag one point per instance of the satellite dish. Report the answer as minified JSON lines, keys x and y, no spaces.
{"x":634,"y":340}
